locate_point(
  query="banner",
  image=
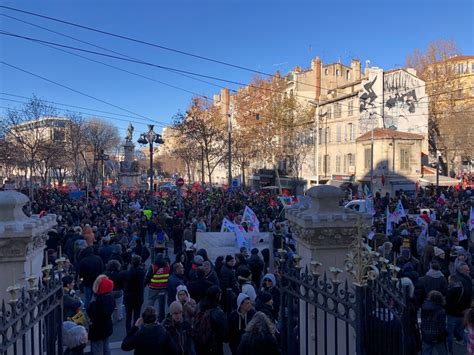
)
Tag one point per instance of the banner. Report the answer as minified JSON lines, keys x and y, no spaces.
{"x":389,"y":227}
{"x":286,"y":201}
{"x":250,"y":218}
{"x":471,"y":219}
{"x":399,"y":212}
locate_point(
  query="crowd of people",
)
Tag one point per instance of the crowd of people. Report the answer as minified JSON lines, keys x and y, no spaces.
{"x":133,"y":259}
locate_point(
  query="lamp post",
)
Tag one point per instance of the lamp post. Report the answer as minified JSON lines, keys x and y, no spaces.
{"x":229,"y":142}
{"x":151,"y":137}
{"x":101,"y":157}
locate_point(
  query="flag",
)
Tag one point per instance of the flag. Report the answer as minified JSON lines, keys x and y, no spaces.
{"x":369,"y":205}
{"x":422,"y":223}
{"x":359,"y":191}
{"x":382,"y":179}
{"x":285,"y":200}
{"x":471,"y":219}
{"x":389,"y":226}
{"x":227,"y":226}
{"x":399,"y":212}
{"x":240,"y":237}
{"x":366,"y":191}
{"x":251,"y":219}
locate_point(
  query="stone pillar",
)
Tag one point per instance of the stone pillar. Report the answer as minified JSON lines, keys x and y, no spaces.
{"x":22,"y":242}
{"x":129,"y":174}
{"x":324,"y":232}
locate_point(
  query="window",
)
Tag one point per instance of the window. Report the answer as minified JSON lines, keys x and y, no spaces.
{"x":337,"y":72}
{"x":344,"y":170}
{"x":460,"y":68}
{"x":329,"y":113}
{"x":405,"y":159}
{"x":338,"y":163}
{"x":350,"y":161}
{"x":326,"y":72}
{"x":350,"y":110}
{"x":350,"y":128}
{"x":328,"y":135}
{"x":320,"y":167}
{"x":348,"y":75}
{"x":472,"y":67}
{"x":338,"y":134}
{"x":337,"y":110}
{"x":367,"y":158}
{"x":327,"y":164}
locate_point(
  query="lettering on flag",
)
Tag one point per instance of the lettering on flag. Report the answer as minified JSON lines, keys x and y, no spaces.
{"x":227,"y":226}
{"x":399,"y":212}
{"x":240,"y":237}
{"x":250,"y":218}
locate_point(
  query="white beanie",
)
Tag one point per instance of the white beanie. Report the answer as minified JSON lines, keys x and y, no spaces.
{"x":242,"y":297}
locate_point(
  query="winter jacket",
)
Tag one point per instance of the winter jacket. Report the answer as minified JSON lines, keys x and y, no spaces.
{"x":219,"y":328}
{"x":181,"y":335}
{"x":237,"y":325}
{"x":274,"y":291}
{"x":100,"y":314}
{"x":198,"y":288}
{"x":433,"y":323}
{"x":149,"y":339}
{"x":133,"y":285}
{"x":467,"y":285}
{"x":266,"y":309}
{"x":261,"y":344}
{"x":454,"y":298}
{"x":227,"y":278}
{"x":212,"y":277}
{"x":433,"y":280}
{"x":70,"y":304}
{"x":173,"y":282}
{"x":256,"y":266}
{"x":90,"y":266}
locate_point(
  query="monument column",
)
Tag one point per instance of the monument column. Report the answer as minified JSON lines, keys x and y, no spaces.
{"x":22,"y":242}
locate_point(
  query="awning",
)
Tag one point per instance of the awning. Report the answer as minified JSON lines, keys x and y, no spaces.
{"x":430,"y":180}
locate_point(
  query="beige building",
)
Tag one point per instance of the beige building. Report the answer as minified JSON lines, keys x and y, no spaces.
{"x":396,"y":159}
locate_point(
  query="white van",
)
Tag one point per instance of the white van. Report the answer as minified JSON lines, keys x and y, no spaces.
{"x":356,"y":205}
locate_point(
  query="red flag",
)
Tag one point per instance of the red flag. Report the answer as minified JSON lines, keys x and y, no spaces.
{"x":382,"y":179}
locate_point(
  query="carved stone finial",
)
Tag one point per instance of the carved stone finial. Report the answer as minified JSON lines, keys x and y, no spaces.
{"x":11,"y":206}
{"x":325,"y":198}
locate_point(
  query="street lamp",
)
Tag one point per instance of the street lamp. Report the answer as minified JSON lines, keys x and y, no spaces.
{"x":101,"y":157}
{"x":149,"y":138}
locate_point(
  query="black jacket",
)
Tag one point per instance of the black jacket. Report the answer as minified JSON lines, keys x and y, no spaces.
{"x":212,"y":277}
{"x":219,"y":328}
{"x":90,"y":266}
{"x":237,"y":325}
{"x":180,"y":335}
{"x":149,"y":339}
{"x":467,"y":286}
{"x":198,"y":289}
{"x":134,"y":284}
{"x":100,"y":314}
{"x":227,"y":278}
{"x":261,"y":344}
{"x":256,"y":266}
{"x":266,"y":309}
{"x":433,"y":323}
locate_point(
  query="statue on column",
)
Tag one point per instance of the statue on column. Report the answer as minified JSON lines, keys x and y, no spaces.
{"x":129,"y":135}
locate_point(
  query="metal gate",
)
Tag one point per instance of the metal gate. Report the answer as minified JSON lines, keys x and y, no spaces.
{"x":31,"y":322}
{"x":322,"y":315}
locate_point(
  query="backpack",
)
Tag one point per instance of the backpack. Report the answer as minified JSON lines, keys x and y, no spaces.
{"x":160,"y":240}
{"x":202,"y":328}
{"x":432,"y":330}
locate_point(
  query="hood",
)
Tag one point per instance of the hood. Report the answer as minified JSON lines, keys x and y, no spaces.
{"x":434,"y":273}
{"x":271,"y":277}
{"x":203,"y":253}
{"x":430,"y":306}
{"x":182,"y":288}
{"x":242,"y":297}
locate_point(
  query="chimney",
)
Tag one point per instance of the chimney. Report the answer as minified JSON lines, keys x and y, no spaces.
{"x":367,"y":66}
{"x":316,"y":66}
{"x":297,"y":69}
{"x":355,"y":66}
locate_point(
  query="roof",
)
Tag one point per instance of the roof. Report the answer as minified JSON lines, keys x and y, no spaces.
{"x":382,"y":133}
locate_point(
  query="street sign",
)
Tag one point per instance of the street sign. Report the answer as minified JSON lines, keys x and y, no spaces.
{"x":180,"y":182}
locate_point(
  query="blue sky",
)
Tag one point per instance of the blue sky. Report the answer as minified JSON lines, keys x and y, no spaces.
{"x":262,"y":35}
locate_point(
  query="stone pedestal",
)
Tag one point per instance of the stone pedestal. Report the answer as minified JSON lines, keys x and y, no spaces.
{"x":22,"y":242}
{"x":324,"y":233}
{"x":129,"y":174}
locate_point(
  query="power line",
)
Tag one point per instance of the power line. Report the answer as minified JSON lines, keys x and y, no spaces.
{"x":77,"y":91}
{"x":107,"y":50}
{"x":157,"y":46}
{"x":140,"y":41}
{"x":74,"y":111}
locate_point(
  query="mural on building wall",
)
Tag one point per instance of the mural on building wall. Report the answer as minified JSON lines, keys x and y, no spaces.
{"x":405,"y":104}
{"x":370,"y":101}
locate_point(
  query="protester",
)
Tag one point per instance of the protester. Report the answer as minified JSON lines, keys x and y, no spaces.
{"x":269,"y":285}
{"x":134,"y":280}
{"x":259,"y":337}
{"x":433,"y":324}
{"x":179,"y":329}
{"x":198,"y":287}
{"x":157,"y":281}
{"x":256,"y":266}
{"x":71,"y":303}
{"x":188,"y":304}
{"x":100,"y":312}
{"x":89,"y":268}
{"x":112,"y":270}
{"x":176,"y":279}
{"x":148,"y":337}
{"x":238,"y":321}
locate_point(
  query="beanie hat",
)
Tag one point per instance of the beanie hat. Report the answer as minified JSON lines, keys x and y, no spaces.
{"x":175,"y":306}
{"x":438,"y":252}
{"x":229,"y":258}
{"x":198,"y":259}
{"x":265,"y":297}
{"x":102,"y":285}
{"x":240,"y":298}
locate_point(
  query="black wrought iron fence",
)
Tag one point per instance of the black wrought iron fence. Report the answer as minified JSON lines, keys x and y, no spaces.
{"x":31,"y":321}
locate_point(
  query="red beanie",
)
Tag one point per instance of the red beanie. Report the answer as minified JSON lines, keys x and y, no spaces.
{"x":106,"y":286}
